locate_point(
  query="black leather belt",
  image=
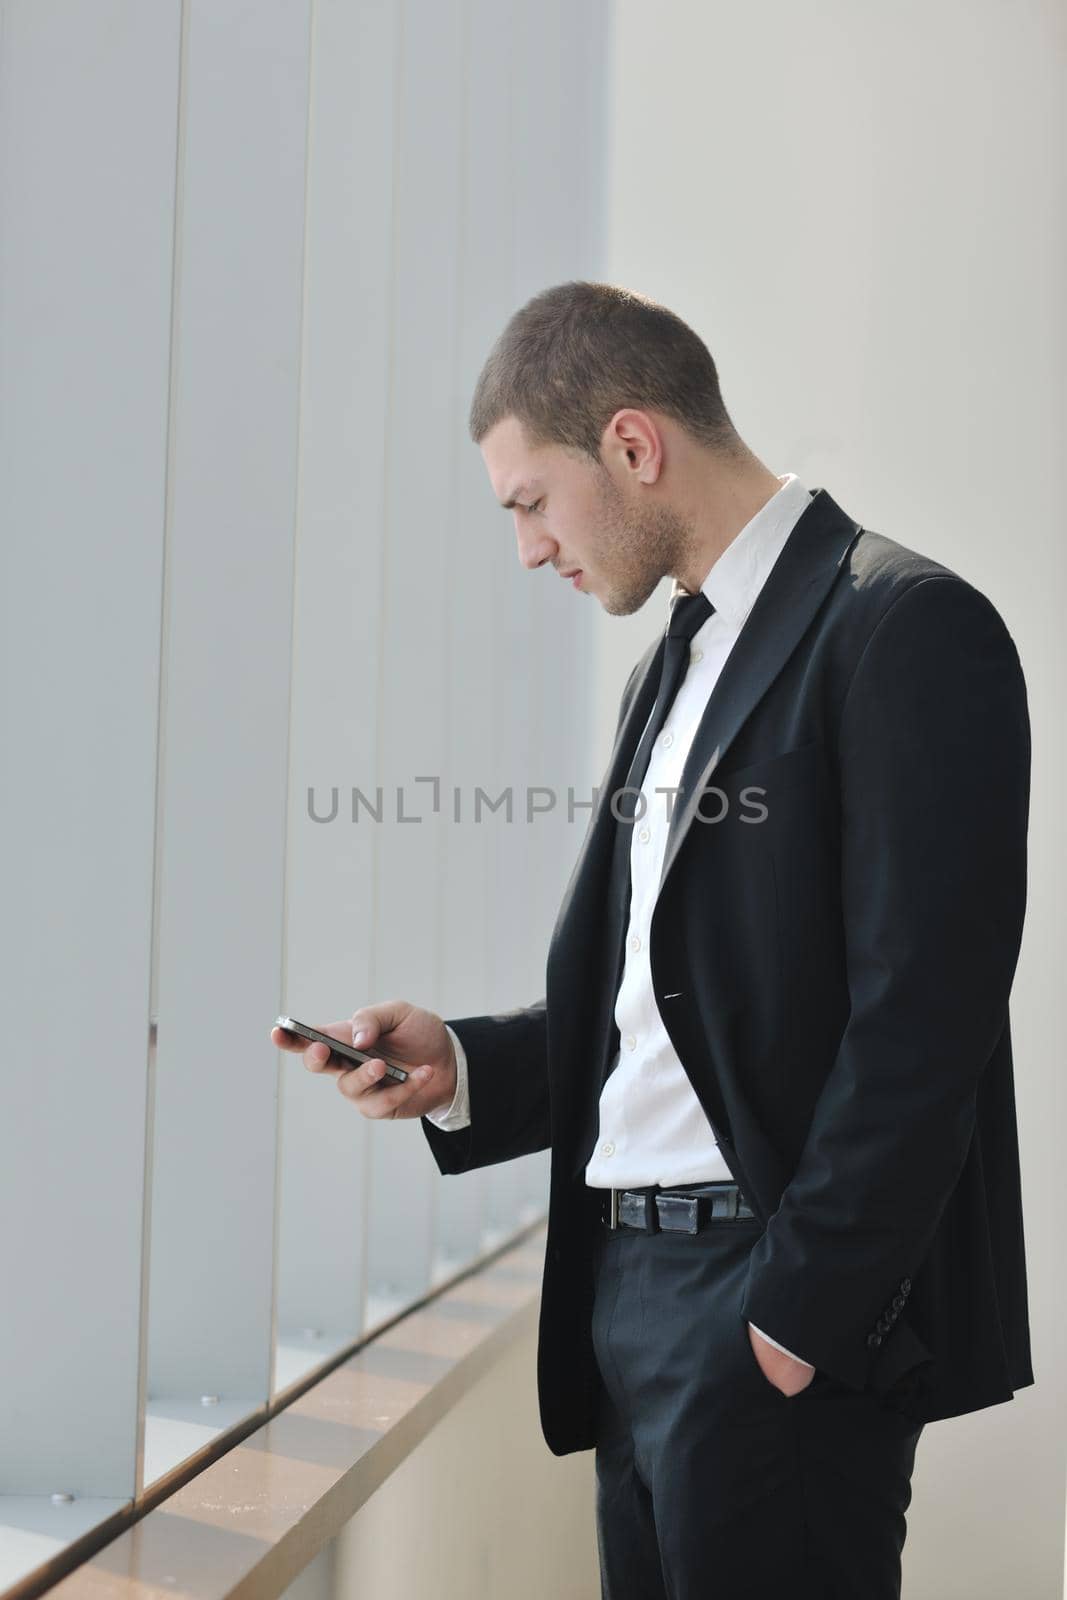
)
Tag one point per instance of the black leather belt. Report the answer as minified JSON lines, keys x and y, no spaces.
{"x":685,"y":1208}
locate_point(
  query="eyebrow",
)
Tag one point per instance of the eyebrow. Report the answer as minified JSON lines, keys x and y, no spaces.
{"x":520,"y":488}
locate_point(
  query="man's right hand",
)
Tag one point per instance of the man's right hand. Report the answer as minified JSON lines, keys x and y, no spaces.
{"x":408,"y":1035}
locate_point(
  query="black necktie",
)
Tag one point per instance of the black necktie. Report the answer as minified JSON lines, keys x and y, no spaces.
{"x":689,"y":612}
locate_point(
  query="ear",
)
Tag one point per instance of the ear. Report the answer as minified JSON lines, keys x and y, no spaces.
{"x":632,"y":446}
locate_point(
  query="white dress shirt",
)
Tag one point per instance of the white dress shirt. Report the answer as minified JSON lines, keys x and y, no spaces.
{"x":652,"y":1128}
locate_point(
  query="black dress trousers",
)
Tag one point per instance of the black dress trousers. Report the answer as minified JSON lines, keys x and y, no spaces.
{"x":711,"y":1484}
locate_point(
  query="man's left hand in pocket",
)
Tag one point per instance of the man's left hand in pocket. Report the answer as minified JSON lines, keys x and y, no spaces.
{"x":784,"y":1371}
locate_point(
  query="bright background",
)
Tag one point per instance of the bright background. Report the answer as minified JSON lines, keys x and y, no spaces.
{"x":254,"y":254}
{"x":861,"y":209}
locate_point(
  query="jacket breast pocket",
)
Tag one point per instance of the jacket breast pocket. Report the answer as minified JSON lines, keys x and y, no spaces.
{"x":764,"y":800}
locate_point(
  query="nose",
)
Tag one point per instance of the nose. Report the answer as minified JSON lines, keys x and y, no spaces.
{"x":535,"y":548}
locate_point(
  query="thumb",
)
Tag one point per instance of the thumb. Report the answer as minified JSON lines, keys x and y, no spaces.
{"x":370,"y":1022}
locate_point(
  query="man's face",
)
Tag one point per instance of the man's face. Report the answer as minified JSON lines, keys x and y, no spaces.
{"x":570,"y":513}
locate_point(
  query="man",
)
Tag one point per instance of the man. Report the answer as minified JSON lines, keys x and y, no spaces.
{"x":773,"y":1059}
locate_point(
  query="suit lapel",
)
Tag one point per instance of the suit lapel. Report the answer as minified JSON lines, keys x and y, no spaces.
{"x":796,"y":585}
{"x":794,"y":589}
{"x":594,"y":857}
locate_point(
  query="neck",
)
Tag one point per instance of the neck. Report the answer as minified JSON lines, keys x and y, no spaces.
{"x":723,"y":503}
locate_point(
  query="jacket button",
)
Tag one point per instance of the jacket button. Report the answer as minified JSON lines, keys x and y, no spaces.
{"x":873,"y":1340}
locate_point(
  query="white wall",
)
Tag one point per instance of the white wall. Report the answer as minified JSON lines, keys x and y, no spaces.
{"x":860,"y":208}
{"x":497,"y":1514}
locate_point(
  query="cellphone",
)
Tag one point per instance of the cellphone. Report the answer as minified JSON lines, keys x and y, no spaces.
{"x":344,"y":1052}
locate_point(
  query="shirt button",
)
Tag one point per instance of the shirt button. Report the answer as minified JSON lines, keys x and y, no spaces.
{"x":644,"y":836}
{"x":668,"y":740}
{"x":696,"y":655}
{"x":607,"y":1149}
{"x":630,"y":1042}
{"x":635,"y":943}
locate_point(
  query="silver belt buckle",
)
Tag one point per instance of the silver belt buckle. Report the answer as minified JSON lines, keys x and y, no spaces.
{"x":613,"y":1221}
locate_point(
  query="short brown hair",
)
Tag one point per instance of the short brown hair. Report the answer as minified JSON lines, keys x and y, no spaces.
{"x":578,"y":352}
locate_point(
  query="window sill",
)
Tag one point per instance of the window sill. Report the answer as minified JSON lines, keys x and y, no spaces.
{"x":250,"y":1520}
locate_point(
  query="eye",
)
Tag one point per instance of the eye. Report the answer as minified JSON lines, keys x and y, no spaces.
{"x":535,"y":505}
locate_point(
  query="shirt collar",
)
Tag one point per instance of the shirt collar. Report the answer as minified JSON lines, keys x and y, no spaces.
{"x":739,"y":573}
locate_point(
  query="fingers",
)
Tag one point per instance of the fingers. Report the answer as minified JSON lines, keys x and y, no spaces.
{"x":316,"y":1056}
{"x":370,"y":1022}
{"x":379,"y":1097}
{"x":376,"y":1096}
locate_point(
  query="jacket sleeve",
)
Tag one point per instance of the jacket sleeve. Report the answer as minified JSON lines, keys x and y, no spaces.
{"x":934,"y":777}
{"x":507,"y":1085}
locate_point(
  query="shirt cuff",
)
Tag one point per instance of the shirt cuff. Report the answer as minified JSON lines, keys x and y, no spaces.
{"x":458,"y":1114}
{"x":781,"y":1347}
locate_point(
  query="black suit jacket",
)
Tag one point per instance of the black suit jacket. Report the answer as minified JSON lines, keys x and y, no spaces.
{"x":834,"y":978}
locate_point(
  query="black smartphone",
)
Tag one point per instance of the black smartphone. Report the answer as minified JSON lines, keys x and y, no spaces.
{"x":344,"y":1052}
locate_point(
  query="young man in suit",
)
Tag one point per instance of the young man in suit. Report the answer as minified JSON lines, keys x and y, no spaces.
{"x":773,"y":1058}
